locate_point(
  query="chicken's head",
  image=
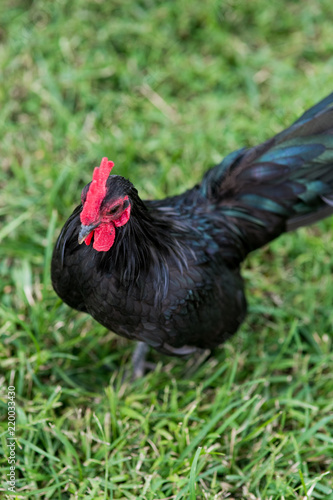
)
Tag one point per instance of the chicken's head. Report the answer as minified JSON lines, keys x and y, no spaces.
{"x":105,"y":207}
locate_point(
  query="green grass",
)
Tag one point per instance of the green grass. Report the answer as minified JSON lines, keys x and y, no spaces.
{"x":165,"y":89}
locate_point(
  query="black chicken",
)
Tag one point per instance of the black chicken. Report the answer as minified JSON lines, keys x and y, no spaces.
{"x":167,"y":272}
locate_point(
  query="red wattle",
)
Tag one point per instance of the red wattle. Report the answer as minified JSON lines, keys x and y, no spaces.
{"x":88,"y":238}
{"x":104,"y":236}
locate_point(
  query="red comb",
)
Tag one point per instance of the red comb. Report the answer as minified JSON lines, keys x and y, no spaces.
{"x":96,"y":193}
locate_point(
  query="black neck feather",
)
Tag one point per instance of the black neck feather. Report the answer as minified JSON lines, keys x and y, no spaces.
{"x":147,"y":245}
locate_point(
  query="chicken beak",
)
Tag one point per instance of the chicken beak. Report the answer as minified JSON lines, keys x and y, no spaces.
{"x":85,"y":231}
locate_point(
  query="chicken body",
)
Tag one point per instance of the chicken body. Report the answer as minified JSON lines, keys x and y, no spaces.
{"x":167,"y":272}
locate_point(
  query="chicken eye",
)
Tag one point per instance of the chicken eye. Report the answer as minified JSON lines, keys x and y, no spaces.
{"x":114,"y":209}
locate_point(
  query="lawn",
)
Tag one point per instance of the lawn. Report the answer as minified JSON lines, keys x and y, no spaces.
{"x":165,"y":89}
